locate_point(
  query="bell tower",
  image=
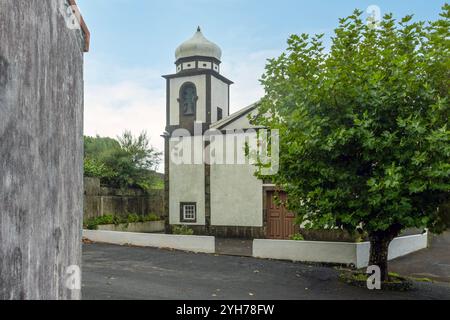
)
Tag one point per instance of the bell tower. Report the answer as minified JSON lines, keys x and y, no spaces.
{"x":197,"y":94}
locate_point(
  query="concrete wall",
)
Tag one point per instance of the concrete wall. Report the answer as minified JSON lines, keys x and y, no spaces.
{"x":334,"y":252}
{"x":306,"y":251}
{"x":41,"y":150}
{"x":399,"y":247}
{"x":99,"y":201}
{"x":201,"y":244}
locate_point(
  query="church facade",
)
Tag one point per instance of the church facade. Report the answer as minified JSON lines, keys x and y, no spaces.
{"x":219,"y":196}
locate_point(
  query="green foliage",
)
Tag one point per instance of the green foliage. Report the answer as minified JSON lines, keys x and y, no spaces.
{"x":182,"y":230}
{"x":158,"y":184}
{"x":93,"y":223}
{"x":297,"y":237}
{"x":123,"y":163}
{"x":95,"y":169}
{"x":364,"y":127}
{"x":133,"y":218}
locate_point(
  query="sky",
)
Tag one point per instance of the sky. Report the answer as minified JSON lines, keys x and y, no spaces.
{"x":133,"y":44}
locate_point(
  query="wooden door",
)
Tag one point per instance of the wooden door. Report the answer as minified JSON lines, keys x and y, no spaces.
{"x":280,"y":222}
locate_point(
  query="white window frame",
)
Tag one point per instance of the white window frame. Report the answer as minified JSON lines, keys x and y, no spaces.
{"x":190,"y":216}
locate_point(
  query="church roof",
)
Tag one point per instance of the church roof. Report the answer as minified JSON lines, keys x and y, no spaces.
{"x":198,"y":45}
{"x":233,"y":117}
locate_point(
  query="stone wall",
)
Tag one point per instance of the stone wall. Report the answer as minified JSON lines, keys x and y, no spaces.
{"x":41,"y":150}
{"x":100,"y":200}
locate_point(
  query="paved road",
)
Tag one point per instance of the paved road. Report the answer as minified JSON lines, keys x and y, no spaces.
{"x":114,"y":272}
{"x":432,"y":263}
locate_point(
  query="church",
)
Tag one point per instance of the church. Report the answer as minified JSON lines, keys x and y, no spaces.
{"x":223,"y":197}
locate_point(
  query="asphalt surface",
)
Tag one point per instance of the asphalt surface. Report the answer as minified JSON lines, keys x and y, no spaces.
{"x":432,"y":263}
{"x":115,"y":272}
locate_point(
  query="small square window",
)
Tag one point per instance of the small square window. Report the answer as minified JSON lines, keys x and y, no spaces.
{"x":219,"y":114}
{"x":188,"y":212}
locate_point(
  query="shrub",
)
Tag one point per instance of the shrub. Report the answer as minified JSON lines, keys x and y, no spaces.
{"x":93,"y":223}
{"x":297,"y":237}
{"x":128,"y":162}
{"x":133,"y":218}
{"x":182,"y":230}
{"x":150,"y":217}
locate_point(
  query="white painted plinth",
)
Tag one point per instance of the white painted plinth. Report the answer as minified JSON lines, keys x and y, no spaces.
{"x":348,"y":253}
{"x":200,"y":244}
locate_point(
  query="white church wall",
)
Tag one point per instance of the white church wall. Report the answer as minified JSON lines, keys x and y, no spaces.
{"x":236,"y":194}
{"x":219,"y":98}
{"x":187,"y":184}
{"x":175,"y":85}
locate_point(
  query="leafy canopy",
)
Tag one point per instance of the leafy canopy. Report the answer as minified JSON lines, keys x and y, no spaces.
{"x":364,"y":125}
{"x":126,"y":162}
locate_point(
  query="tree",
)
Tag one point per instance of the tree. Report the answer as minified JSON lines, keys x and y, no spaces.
{"x":142,"y":155}
{"x":364,"y":127}
{"x":126,"y":162}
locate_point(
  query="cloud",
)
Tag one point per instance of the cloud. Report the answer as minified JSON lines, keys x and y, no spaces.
{"x":110,"y":109}
{"x":245,"y":70}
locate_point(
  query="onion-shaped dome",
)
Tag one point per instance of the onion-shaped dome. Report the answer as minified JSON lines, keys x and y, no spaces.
{"x":198,"y":45}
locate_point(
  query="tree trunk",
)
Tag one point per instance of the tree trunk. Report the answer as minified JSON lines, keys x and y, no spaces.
{"x":379,"y":249}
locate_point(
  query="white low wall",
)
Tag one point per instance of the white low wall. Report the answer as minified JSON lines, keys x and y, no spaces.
{"x":199,"y":244}
{"x":399,"y":247}
{"x":333,"y":252}
{"x":306,"y":251}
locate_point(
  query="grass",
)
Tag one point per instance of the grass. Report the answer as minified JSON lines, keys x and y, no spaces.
{"x":393,"y":278}
{"x":421,"y":279}
{"x":396,"y":282}
{"x":93,"y":223}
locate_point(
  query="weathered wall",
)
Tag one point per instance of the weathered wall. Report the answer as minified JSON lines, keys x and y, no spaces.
{"x":99,"y":201}
{"x":187,"y":182}
{"x":41,"y":150}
